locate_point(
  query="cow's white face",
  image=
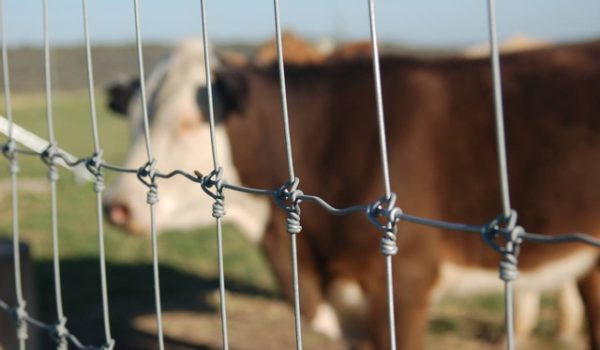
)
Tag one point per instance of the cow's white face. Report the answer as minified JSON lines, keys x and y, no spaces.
{"x":180,"y":139}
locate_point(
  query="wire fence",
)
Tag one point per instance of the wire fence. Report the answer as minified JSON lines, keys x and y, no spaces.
{"x":383,"y":212}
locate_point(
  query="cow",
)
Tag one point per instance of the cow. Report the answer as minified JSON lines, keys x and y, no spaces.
{"x":442,"y":158}
{"x":340,"y":270}
{"x":528,"y":301}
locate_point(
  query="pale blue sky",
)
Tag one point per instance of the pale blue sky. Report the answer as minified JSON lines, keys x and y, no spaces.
{"x":417,"y":22}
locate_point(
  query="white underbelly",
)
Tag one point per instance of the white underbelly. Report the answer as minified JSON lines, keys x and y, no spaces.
{"x":351,"y":305}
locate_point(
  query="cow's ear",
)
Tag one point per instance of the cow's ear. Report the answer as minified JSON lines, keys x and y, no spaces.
{"x":120,"y":94}
{"x":230,"y":91}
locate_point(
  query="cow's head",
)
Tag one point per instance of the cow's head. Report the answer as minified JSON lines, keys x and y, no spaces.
{"x":180,"y":138}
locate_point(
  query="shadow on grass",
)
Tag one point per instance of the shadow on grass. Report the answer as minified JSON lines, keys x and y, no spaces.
{"x":131,"y":294}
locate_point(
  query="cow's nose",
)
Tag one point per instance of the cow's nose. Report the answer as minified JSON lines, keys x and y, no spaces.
{"x":117,"y":213}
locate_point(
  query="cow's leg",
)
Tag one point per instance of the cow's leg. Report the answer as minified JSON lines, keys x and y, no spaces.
{"x":415,"y":273}
{"x":352,"y":307}
{"x":527,"y":309}
{"x":277,"y":246}
{"x":571,"y":311}
{"x":589,"y":286}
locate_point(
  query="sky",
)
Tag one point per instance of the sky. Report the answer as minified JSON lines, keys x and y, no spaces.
{"x":438,"y":23}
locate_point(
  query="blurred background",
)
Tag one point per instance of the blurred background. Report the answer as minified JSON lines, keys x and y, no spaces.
{"x":188,"y":261}
{"x":417,"y":25}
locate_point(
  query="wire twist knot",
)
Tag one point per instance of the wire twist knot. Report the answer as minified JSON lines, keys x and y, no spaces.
{"x":214,"y":179}
{"x":20,"y":315}
{"x":218,"y":208}
{"x":388,"y":245}
{"x":99,"y":186}
{"x":385,"y":208}
{"x":53,"y":173}
{"x":13,"y":166}
{"x":507,"y":228}
{"x":49,"y":154}
{"x":293,"y":222}
{"x":288,"y":198}
{"x":47,"y":157}
{"x":94,"y":166}
{"x":147,"y":175}
{"x":152,"y":195}
{"x":110,"y":345}
{"x":60,"y":334}
{"x":509,"y":270}
{"x":94,"y":163}
{"x":10,"y":150}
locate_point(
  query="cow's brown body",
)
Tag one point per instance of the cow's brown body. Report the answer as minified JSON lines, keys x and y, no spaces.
{"x":443,"y":164}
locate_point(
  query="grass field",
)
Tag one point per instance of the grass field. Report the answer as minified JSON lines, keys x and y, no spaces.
{"x":188,"y":261}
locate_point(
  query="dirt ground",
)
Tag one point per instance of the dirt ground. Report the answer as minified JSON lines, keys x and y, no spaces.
{"x":263,"y":323}
{"x":253,"y":323}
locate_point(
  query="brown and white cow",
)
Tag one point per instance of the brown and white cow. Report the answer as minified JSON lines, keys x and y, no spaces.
{"x":442,"y":160}
{"x":443,"y":163}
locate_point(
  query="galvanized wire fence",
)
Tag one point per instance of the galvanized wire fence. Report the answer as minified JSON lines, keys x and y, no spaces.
{"x":383,"y":212}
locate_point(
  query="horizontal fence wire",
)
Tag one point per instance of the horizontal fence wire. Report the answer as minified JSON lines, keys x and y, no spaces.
{"x":208,"y":182}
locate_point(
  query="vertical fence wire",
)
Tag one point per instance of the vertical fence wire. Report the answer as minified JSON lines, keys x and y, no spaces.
{"x":218,"y":209}
{"x":207,"y":70}
{"x":498,"y":108}
{"x":284,"y":106}
{"x":5,"y":72}
{"x":48,"y":77}
{"x":13,"y":169}
{"x":385,"y":168}
{"x":379,"y":99}
{"x":140,"y":59}
{"x":152,"y":197}
{"x":290,"y":160}
{"x":502,"y":162}
{"x":61,"y":333}
{"x":99,"y":185}
{"x":90,"y":76}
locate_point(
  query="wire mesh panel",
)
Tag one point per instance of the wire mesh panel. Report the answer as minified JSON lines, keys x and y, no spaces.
{"x":382,"y":213}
